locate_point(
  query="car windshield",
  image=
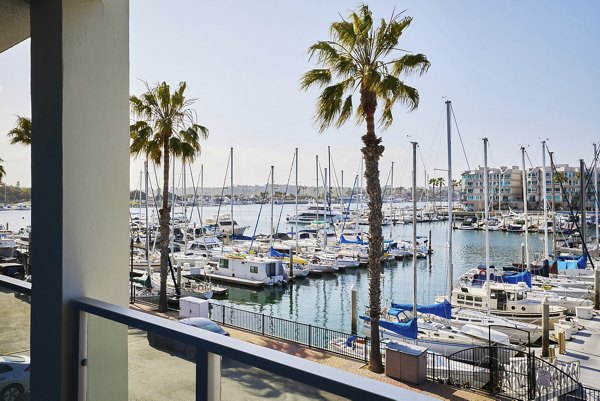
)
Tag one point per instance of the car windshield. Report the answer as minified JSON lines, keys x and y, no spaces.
{"x":204,"y":324}
{"x":12,"y":358}
{"x":208,"y":325}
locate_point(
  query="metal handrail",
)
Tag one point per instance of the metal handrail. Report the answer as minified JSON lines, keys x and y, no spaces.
{"x":320,"y":376}
{"x":16,"y":285}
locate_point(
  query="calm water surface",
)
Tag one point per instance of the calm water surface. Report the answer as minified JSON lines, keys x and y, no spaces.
{"x":325,"y":301}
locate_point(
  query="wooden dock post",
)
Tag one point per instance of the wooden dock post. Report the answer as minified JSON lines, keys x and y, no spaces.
{"x":545,"y":327}
{"x":429,"y":243}
{"x":597,"y":287}
{"x":354,"y":325}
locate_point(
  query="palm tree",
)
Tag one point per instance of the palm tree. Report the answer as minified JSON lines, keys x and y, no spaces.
{"x":2,"y":171}
{"x":358,"y":58}
{"x":163,"y":125}
{"x":560,"y":178}
{"x":22,"y":131}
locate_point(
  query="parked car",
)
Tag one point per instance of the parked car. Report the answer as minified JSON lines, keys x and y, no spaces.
{"x":14,"y":377}
{"x":14,"y":270}
{"x":158,"y":341}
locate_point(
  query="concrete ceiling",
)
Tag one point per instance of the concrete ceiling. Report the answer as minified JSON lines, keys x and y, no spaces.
{"x":14,"y":23}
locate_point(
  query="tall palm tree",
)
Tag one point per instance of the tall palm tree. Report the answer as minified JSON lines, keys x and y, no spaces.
{"x":164,"y":124}
{"x":22,"y":131}
{"x":359,"y":58}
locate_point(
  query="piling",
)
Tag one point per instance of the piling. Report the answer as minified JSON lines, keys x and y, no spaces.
{"x":522,"y":254}
{"x":429,"y":242}
{"x":354,"y":325}
{"x":545,"y":327}
{"x":597,"y":287}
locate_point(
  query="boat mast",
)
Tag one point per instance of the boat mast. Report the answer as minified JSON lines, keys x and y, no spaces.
{"x":414,"y":232}
{"x":317,"y":196}
{"x":231,"y":158}
{"x":147,"y":224}
{"x":272,"y":198}
{"x":202,"y":199}
{"x":173,"y":206}
{"x":329,"y":181}
{"x":596,"y":191}
{"x":486,"y":194}
{"x":184,"y":210}
{"x":450,"y":190}
{"x":296,"y":224}
{"x":545,"y":199}
{"x":525,"y":207}
{"x":392,"y":197}
{"x":325,"y":192}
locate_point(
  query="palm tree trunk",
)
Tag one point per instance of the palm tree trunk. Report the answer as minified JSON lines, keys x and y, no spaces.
{"x":372,"y":151}
{"x":164,"y":218}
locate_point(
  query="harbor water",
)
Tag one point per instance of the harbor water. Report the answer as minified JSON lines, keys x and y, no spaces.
{"x":325,"y":300}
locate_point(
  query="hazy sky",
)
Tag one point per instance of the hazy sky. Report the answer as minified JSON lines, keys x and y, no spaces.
{"x":515,"y":72}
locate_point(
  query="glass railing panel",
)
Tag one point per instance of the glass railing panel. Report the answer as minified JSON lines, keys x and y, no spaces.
{"x":240,"y":381}
{"x":14,"y":344}
{"x":127,"y":361}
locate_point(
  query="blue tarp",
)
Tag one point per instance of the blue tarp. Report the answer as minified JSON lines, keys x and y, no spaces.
{"x":343,"y":240}
{"x":274,"y":253}
{"x":524,"y":277}
{"x":408,"y":329}
{"x":242,"y":238}
{"x":582,"y":262}
{"x":442,"y":309}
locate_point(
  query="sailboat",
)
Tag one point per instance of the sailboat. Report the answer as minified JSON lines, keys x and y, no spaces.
{"x":412,"y":323}
{"x":503,"y":299}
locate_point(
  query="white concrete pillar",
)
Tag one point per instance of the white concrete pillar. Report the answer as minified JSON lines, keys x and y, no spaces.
{"x":80,"y":188}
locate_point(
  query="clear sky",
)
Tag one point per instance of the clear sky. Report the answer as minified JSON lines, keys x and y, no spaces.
{"x":515,"y":71}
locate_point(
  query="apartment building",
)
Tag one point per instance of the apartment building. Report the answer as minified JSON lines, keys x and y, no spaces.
{"x":505,"y":188}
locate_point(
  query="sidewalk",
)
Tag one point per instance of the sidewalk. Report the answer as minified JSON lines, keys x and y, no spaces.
{"x":438,"y":390}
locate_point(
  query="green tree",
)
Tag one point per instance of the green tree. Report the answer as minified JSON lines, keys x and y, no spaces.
{"x":2,"y":171}
{"x":560,"y":178}
{"x":165,"y":125}
{"x":360,"y":58}
{"x":22,"y":131}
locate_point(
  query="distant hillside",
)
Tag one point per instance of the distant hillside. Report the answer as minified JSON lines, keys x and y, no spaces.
{"x":10,"y":194}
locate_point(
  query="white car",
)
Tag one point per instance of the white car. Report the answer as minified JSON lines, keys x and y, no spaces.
{"x":14,"y":377}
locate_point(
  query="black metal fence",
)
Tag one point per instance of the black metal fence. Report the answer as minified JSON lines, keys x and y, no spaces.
{"x":509,"y":373}
{"x":300,"y":333}
{"x":502,"y":371}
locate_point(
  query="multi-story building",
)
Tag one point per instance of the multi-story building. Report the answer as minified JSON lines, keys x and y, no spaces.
{"x":563,"y":187}
{"x":505,"y":187}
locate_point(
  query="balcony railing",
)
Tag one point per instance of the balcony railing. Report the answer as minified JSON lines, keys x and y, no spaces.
{"x":293,"y":371}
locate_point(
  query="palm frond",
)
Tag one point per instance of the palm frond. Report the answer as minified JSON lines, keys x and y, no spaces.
{"x":318,"y":77}
{"x":410,"y":64}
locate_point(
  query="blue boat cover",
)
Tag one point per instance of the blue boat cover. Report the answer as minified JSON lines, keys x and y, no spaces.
{"x":442,"y":309}
{"x":343,"y":240}
{"x":242,"y":237}
{"x":524,"y":277}
{"x":276,"y":254}
{"x":408,"y":329}
{"x":582,"y":262}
